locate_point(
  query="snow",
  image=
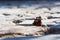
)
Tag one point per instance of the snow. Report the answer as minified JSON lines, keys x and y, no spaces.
{"x":50,"y":21}
{"x":8,"y":26}
{"x":27,"y":22}
{"x":28,"y":12}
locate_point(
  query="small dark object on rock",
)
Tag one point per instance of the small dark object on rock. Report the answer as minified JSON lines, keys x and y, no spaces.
{"x":37,"y":21}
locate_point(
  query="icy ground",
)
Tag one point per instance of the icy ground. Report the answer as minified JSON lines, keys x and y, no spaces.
{"x":27,"y":14}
